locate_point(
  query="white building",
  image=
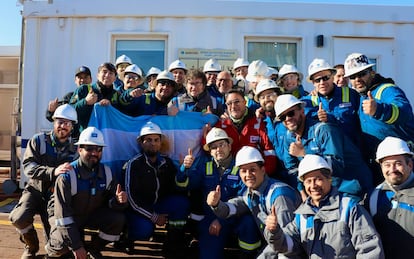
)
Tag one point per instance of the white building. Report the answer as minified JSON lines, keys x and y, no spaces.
{"x":62,"y":35}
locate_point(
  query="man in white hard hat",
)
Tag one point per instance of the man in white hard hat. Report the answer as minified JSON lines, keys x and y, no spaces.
{"x":196,"y":98}
{"x":153,"y":195}
{"x":86,"y":196}
{"x":240,"y":68}
{"x":133,"y":78}
{"x":151,"y":78}
{"x":211,"y":69}
{"x":391,"y":203}
{"x":46,"y":157}
{"x":290,"y":79}
{"x":179,"y":70}
{"x":134,"y":103}
{"x":257,"y":71}
{"x":121,"y":63}
{"x":330,"y":103}
{"x":202,"y":175}
{"x":308,"y":136}
{"x":328,"y":224}
{"x":384,"y":108}
{"x":262,"y":196}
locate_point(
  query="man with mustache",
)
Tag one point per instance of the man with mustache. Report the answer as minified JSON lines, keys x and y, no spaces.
{"x":391,"y":203}
{"x":44,"y":159}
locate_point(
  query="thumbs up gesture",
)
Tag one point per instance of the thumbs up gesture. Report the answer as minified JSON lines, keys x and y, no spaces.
{"x":188,"y":159}
{"x":271,"y":220}
{"x":214,"y":197}
{"x":322,"y":115}
{"x":121,"y":195}
{"x":296,"y":148}
{"x":91,"y":98}
{"x":208,"y":110}
{"x":369,"y":106}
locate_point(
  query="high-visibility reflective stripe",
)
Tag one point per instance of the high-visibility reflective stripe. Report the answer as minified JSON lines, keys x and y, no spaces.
{"x":108,"y":237}
{"x":177,"y":223}
{"x":209,"y":168}
{"x":64,"y":221}
{"x":234,"y":170}
{"x":345,"y":94}
{"x":184,"y":184}
{"x":381,"y":89}
{"x":248,"y":246}
{"x":394,"y":114}
{"x":147,"y":99}
{"x":314,"y":99}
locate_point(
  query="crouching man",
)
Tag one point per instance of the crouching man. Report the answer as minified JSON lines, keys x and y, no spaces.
{"x":85,"y":196}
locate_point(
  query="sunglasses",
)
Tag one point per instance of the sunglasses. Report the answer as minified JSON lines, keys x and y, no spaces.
{"x":135,"y":78}
{"x":360,"y":74}
{"x":165,"y":82}
{"x":288,"y":114}
{"x":89,"y":149}
{"x":324,"y":78}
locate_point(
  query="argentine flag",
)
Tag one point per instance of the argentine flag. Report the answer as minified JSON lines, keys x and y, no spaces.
{"x":120,"y":132}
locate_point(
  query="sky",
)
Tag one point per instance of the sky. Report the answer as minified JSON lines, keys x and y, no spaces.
{"x":11,"y":23}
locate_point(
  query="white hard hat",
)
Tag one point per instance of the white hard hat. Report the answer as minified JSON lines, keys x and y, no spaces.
{"x":257,"y":70}
{"x":91,"y":136}
{"x":215,"y":134}
{"x":66,"y":111}
{"x":272,"y":71}
{"x":134,"y":69}
{"x":248,"y":155}
{"x":212,"y":65}
{"x":285,"y":102}
{"x":123,"y":59}
{"x":318,"y":65}
{"x":177,"y":64}
{"x":153,"y":71}
{"x":356,"y":62}
{"x":311,"y":163}
{"x":149,"y":128}
{"x":240,"y":62}
{"x":263,"y":85}
{"x":289,"y":69}
{"x":167,"y":76}
{"x":392,"y":146}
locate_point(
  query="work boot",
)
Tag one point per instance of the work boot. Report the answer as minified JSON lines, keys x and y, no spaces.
{"x":31,"y":242}
{"x":95,"y":247}
{"x":175,"y":247}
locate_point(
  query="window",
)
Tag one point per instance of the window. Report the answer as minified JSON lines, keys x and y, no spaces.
{"x":144,"y":53}
{"x":275,"y":52}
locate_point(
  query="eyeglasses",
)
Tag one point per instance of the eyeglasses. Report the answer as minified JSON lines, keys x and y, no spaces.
{"x":65,"y":123}
{"x":324,"y":78}
{"x":135,"y":78}
{"x":218,"y":145}
{"x":360,"y":74}
{"x":198,"y":83}
{"x":288,"y":114}
{"x":235,"y":102}
{"x":90,"y":149}
{"x":269,"y":95}
{"x":223,"y":80}
{"x":165,"y":82}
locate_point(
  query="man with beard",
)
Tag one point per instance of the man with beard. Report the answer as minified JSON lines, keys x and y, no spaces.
{"x":205,"y":175}
{"x":134,"y":103}
{"x":391,"y":203}
{"x":260,"y":198}
{"x":102,"y":92}
{"x":153,"y":195}
{"x":240,"y":123}
{"x":308,"y":136}
{"x":85,"y":196}
{"x":44,"y":159}
{"x":384,"y":109}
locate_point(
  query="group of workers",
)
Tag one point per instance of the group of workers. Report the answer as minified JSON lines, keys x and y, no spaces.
{"x":286,"y":173}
